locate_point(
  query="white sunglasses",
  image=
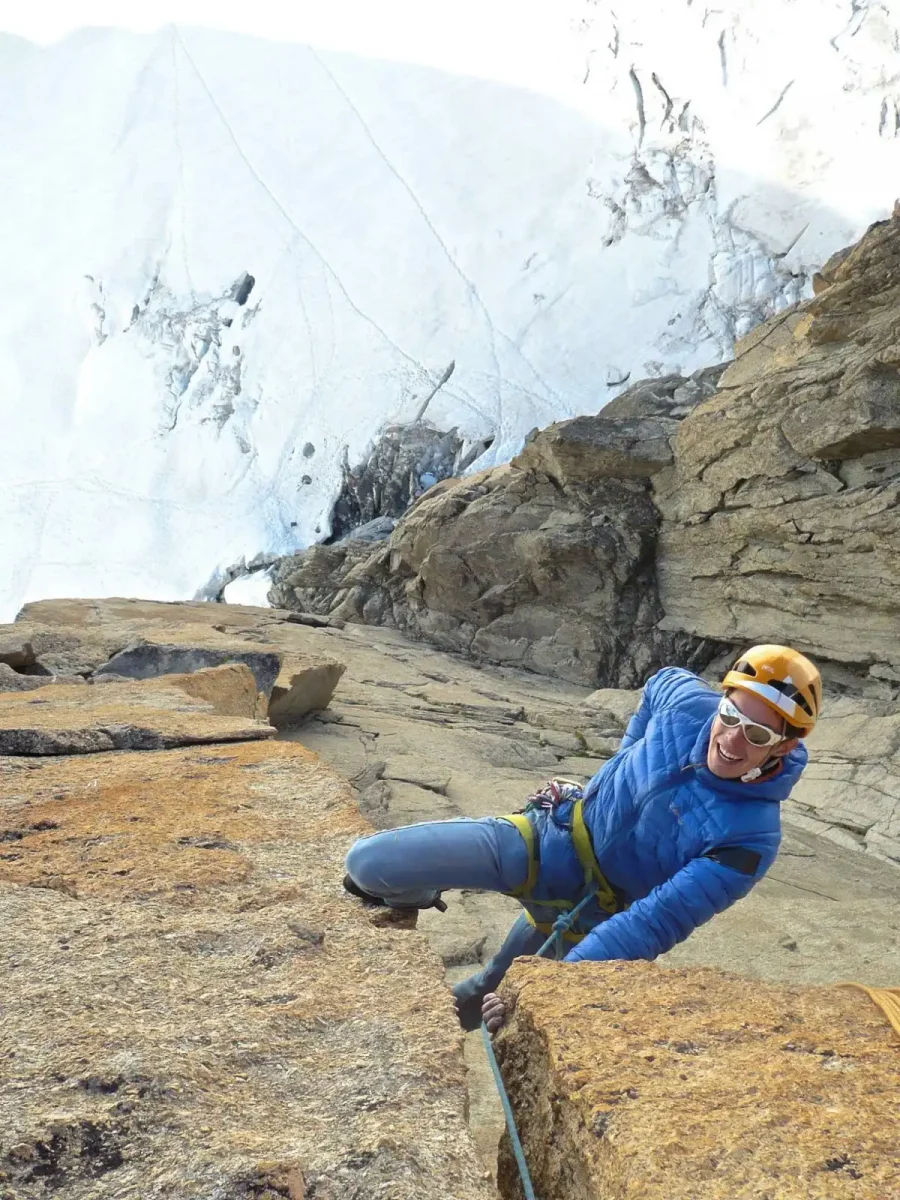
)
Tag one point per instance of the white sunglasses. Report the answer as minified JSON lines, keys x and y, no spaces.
{"x":756,"y":734}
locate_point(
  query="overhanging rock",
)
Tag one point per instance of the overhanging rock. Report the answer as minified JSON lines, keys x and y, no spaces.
{"x":150,"y":714}
{"x":303,"y":686}
{"x":146,"y":660}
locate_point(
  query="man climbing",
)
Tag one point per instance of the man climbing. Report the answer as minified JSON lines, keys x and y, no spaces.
{"x":677,"y":826}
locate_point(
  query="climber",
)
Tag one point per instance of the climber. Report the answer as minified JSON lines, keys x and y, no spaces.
{"x":679,"y":824}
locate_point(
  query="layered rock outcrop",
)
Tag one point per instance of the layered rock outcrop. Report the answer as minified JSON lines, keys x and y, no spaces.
{"x":95,"y":641}
{"x":217,"y":705}
{"x":780,"y":509}
{"x":547,"y":563}
{"x":634,"y":1083}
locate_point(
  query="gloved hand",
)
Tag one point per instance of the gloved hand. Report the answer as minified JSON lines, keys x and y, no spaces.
{"x":493,"y":1012}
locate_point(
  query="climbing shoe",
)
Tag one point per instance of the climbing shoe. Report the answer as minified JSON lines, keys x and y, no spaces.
{"x":379,"y":901}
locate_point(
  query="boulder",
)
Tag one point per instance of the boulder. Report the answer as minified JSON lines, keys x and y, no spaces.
{"x":303,"y":687}
{"x":13,"y":681}
{"x":647,"y":1084}
{"x":16,"y":652}
{"x":585,"y":448}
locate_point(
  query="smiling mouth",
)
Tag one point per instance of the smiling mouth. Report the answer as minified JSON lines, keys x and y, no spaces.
{"x":731,"y":758}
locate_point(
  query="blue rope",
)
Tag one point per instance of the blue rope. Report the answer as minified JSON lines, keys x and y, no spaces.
{"x":560,"y":925}
{"x":508,"y":1114}
{"x":563,"y":923}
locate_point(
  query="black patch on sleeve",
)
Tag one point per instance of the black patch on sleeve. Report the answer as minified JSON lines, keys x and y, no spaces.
{"x":739,"y":858}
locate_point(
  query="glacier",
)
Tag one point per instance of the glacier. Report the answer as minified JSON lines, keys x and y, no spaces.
{"x":237,"y":246}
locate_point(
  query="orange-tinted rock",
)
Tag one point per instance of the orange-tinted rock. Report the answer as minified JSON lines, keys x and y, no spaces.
{"x":229,"y":690}
{"x":631,"y":1082}
{"x":149,"y":714}
{"x":193,"y":1007}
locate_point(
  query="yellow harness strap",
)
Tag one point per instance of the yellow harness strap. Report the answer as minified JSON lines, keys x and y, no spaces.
{"x":521,"y":822}
{"x":594,"y":877}
{"x":606,"y":897}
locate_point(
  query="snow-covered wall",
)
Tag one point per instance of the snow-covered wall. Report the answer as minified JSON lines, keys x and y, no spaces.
{"x":226,"y":258}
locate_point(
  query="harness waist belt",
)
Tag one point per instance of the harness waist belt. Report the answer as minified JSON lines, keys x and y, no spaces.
{"x":594,"y":878}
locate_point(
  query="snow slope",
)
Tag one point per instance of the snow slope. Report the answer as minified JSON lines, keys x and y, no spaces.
{"x":227,"y":258}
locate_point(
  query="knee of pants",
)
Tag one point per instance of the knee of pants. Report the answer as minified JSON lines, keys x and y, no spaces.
{"x":362,"y":865}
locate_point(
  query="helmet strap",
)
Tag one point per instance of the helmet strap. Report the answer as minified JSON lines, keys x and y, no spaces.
{"x":754,"y":773}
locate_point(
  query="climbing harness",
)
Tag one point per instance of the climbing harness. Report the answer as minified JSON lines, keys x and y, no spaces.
{"x":549,"y":798}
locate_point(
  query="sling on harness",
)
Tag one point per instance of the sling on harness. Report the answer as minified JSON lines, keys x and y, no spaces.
{"x":550,"y":797}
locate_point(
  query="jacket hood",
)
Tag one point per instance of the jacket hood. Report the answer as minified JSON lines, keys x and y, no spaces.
{"x":775,"y":786}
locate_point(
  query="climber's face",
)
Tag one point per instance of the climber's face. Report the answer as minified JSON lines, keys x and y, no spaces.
{"x":732,"y":752}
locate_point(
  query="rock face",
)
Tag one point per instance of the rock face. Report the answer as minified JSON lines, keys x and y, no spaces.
{"x":852,"y":782}
{"x":752,"y":503}
{"x":780,"y":510}
{"x":642,"y":1084}
{"x":547,"y":563}
{"x":192,"y":1006}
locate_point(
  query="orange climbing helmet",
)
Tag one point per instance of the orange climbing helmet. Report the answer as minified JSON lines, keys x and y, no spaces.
{"x":784,"y":679}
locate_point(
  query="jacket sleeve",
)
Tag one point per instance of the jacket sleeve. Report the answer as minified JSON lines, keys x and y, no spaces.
{"x":638,"y":723}
{"x":671,"y":912}
{"x":657,"y":691}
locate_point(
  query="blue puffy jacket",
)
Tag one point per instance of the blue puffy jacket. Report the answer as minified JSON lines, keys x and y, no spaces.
{"x":654,"y":812}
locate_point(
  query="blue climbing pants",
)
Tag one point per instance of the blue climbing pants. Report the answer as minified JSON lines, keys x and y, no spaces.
{"x":409,"y":866}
